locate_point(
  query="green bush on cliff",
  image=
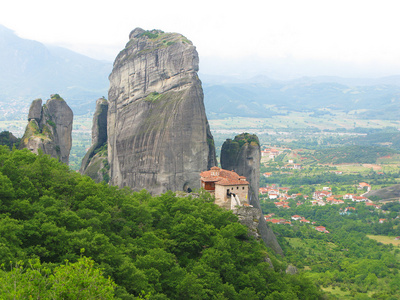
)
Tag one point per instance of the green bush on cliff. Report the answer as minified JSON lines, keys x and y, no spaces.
{"x":164,"y":246}
{"x":56,"y":97}
{"x":152,"y":97}
{"x":247,"y":138}
{"x":152,"y":34}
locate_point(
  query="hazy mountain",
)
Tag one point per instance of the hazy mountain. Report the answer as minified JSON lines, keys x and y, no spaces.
{"x":29,"y":70}
{"x":256,"y":97}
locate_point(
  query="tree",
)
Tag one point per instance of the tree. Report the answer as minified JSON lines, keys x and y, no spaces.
{"x":80,"y":280}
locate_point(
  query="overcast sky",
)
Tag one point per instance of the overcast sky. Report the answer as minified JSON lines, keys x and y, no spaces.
{"x":292,"y":37}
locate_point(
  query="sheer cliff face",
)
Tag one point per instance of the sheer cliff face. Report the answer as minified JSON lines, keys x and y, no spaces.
{"x":95,"y":163}
{"x":49,"y":128}
{"x":243,"y":155}
{"x":158,"y":134}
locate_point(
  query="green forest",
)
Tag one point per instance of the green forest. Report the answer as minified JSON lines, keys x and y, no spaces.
{"x":345,"y":261}
{"x":62,"y":236}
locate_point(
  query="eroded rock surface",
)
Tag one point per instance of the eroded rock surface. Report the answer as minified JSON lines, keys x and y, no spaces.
{"x":49,"y":128}
{"x":243,"y":155}
{"x":249,"y":216}
{"x":158,"y":134}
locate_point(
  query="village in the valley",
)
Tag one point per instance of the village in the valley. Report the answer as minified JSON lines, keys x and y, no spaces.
{"x":286,"y":198}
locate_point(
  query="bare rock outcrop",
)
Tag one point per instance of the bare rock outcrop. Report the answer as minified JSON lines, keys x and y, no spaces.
{"x":158,"y":134}
{"x":49,"y":128}
{"x":249,"y":216}
{"x":292,"y":270}
{"x":95,"y":162}
{"x":243,"y":155}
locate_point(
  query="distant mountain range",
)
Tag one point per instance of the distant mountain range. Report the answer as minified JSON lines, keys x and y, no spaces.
{"x":30,"y":70}
{"x":264,"y":97}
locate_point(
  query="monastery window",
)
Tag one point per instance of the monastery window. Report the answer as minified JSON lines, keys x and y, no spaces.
{"x":243,"y":188}
{"x":237,"y":187}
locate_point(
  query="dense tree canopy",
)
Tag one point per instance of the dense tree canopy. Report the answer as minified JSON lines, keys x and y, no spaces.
{"x":162,"y":247}
{"x":345,"y":259}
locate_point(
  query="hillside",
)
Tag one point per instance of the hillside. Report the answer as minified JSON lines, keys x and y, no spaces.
{"x":163,"y":247}
{"x":388,"y":193}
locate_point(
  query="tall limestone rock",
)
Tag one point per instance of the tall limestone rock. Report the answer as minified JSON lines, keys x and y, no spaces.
{"x":243,"y":155}
{"x":95,"y":162}
{"x":158,"y":134}
{"x":49,"y":128}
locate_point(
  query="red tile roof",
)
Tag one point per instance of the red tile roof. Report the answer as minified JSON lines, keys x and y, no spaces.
{"x":223,"y":177}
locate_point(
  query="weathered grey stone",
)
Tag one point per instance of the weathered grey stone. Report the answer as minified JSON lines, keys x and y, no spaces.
{"x":99,"y":139}
{"x":97,"y":168}
{"x":51,"y":132}
{"x":135,"y":33}
{"x":58,"y":111}
{"x":249,"y":216}
{"x":269,"y":261}
{"x":158,"y":134}
{"x":243,"y":155}
{"x":35,"y":110}
{"x":291,"y":270}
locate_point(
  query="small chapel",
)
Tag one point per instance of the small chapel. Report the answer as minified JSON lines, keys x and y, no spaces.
{"x":228,"y":187}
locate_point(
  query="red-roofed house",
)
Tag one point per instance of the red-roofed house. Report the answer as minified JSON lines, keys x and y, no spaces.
{"x":362,"y":185}
{"x":349,"y":196}
{"x":319,"y":195}
{"x":337,"y":201}
{"x":320,"y":228}
{"x":228,"y":187}
{"x":360,"y":199}
{"x":373,"y":205}
{"x":273,"y":195}
{"x":296,"y":217}
{"x":275,"y":221}
{"x":330,"y":199}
